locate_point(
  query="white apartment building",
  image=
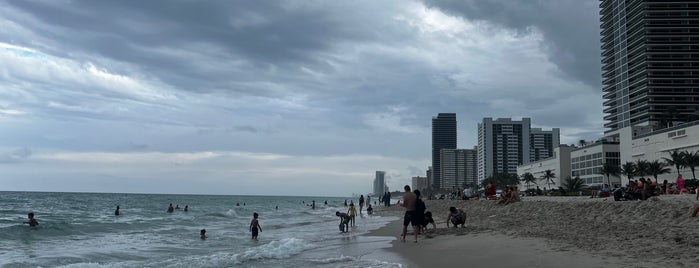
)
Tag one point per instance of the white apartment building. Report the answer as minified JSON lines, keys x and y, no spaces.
{"x":420,"y":183}
{"x":587,"y":162}
{"x":504,"y":144}
{"x":559,"y":164}
{"x":658,"y":145}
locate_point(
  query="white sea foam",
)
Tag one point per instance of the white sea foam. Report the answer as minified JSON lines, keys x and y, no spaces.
{"x":342,"y":258}
{"x":278,"y":249}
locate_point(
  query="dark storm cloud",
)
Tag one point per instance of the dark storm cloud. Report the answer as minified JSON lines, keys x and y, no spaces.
{"x":570,"y":28}
{"x":192,"y":44}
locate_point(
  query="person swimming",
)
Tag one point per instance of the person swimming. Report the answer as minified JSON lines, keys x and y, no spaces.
{"x":31,"y":221}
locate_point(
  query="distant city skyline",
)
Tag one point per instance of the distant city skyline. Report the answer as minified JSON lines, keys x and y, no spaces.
{"x":277,"y":98}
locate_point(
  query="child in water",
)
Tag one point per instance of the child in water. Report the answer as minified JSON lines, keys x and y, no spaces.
{"x":32,"y":222}
{"x":255,"y":226}
{"x":202,"y":234}
{"x":352,"y":213}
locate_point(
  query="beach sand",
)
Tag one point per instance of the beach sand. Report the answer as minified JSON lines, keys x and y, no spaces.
{"x":556,"y":232}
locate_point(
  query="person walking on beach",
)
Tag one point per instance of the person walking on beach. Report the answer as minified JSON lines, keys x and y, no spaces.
{"x":361,"y":203}
{"x":116,"y":212}
{"x":31,"y":221}
{"x":409,"y":200}
{"x":344,"y":221}
{"x":255,"y":226}
{"x":352,"y":212}
{"x":420,"y":208}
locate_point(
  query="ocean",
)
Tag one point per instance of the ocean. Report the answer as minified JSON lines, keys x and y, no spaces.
{"x":81,"y":230}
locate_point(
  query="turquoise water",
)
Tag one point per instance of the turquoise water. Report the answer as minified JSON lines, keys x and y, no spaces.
{"x":80,"y":230}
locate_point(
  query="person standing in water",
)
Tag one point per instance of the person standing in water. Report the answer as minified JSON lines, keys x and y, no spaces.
{"x":116,"y":212}
{"x":186,"y":208}
{"x":255,"y":226}
{"x":361,"y":203}
{"x":313,"y":205}
{"x":352,"y":212}
{"x":31,"y":221}
{"x":170,"y":209}
{"x":202,"y":234}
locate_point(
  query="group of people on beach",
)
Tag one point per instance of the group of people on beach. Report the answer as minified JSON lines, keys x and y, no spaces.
{"x":347,"y":219}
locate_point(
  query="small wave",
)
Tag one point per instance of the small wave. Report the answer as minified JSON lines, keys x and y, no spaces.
{"x":84,"y":265}
{"x":279,"y":249}
{"x":342,"y":258}
{"x":222,"y":215}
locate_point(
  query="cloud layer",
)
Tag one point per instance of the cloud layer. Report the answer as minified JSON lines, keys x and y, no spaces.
{"x":306,"y":80}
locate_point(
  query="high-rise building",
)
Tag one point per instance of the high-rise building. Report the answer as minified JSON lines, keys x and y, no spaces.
{"x":650,"y":62}
{"x":503,"y":144}
{"x":458,"y":168}
{"x":542,"y":143}
{"x":420,"y":183}
{"x":380,"y":183}
{"x":443,"y":137}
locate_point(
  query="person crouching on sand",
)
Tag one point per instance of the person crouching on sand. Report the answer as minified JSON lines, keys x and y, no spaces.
{"x":456,"y":217}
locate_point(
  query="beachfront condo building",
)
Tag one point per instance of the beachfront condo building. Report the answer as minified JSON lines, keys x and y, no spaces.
{"x":380,"y":183}
{"x":587,"y":161}
{"x":443,"y":137}
{"x":503,"y":144}
{"x":558,"y":164}
{"x":458,"y":168}
{"x":650,"y":62}
{"x":420,"y":183}
{"x":650,"y":74}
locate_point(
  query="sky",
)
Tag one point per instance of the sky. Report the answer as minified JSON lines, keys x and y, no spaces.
{"x":277,"y":97}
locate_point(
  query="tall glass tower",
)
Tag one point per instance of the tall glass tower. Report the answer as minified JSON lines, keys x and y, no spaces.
{"x":443,"y":137}
{"x":650,"y":62}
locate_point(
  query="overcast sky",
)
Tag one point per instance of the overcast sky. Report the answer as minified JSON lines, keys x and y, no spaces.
{"x":277,"y":97}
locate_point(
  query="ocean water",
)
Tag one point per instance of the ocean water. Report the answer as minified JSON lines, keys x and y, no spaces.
{"x":80,"y":230}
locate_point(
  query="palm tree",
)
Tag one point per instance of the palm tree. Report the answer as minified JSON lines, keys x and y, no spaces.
{"x":528,"y":178}
{"x":676,"y":159}
{"x":642,"y":167}
{"x":548,"y":177}
{"x":656,"y":168}
{"x":628,"y":169}
{"x":609,"y":169}
{"x":582,"y":143}
{"x":690,"y":160}
{"x":573,"y":184}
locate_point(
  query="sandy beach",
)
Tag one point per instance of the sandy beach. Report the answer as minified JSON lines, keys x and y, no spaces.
{"x":556,"y":232}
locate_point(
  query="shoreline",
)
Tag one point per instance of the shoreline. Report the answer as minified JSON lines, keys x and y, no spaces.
{"x":555,"y":232}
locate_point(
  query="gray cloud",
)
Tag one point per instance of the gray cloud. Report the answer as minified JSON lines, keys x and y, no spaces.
{"x":15,"y":155}
{"x":570,"y":28}
{"x":321,"y":78}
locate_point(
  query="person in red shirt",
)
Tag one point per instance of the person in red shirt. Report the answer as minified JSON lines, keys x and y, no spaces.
{"x":490,"y":191}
